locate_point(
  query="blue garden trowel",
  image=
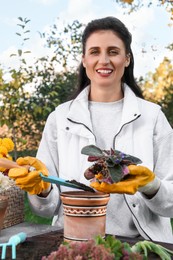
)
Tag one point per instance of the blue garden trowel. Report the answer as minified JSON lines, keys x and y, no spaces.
{"x":72,"y":184}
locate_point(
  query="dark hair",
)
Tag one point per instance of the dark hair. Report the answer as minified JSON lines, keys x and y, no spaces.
{"x":115,"y":25}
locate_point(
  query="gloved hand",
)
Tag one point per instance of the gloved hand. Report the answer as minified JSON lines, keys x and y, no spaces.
{"x":27,"y":180}
{"x":6,"y":164}
{"x":139,"y":178}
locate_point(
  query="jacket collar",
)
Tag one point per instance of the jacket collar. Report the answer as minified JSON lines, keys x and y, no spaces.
{"x":79,"y":111}
{"x":130,"y":106}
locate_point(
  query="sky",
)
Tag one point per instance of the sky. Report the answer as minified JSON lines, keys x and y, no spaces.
{"x":149,"y":27}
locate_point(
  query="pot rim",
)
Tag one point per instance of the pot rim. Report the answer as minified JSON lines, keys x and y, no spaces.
{"x":84,"y":194}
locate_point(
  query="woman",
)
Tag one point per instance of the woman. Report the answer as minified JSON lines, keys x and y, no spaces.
{"x":109,"y":111}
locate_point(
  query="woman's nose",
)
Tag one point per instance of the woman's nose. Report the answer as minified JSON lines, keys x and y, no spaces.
{"x":104,"y":58}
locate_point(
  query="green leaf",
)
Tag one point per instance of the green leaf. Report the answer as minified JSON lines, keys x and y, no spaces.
{"x":92,"y":150}
{"x":116,"y":173}
{"x":133,"y":159}
{"x":148,"y":246}
{"x":20,"y":52}
{"x":111,"y":242}
{"x":20,"y":18}
{"x":11,"y":55}
{"x":110,"y":162}
{"x":116,"y":159}
{"x":127,"y":247}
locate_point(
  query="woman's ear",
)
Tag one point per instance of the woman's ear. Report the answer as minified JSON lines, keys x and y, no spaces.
{"x":83,"y":60}
{"x":127,"y":60}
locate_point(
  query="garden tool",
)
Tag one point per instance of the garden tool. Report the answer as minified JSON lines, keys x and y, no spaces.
{"x":13,"y":242}
{"x":71,"y":184}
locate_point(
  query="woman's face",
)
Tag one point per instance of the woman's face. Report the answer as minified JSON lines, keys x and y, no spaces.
{"x":105,"y":59}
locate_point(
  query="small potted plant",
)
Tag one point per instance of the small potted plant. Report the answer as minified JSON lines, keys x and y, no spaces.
{"x":108,"y":166}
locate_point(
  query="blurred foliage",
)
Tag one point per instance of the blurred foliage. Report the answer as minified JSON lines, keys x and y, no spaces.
{"x":158,"y":87}
{"x":14,"y":96}
{"x":33,"y":92}
{"x":134,"y":5}
{"x":66,"y":44}
{"x":55,"y":77}
{"x":23,"y":153}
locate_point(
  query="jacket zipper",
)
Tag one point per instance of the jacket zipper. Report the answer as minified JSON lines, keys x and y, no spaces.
{"x":122,"y":128}
{"x":123,"y":194}
{"x":83,"y":125}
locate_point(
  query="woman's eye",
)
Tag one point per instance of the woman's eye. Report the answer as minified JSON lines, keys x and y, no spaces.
{"x":113,"y":52}
{"x":94,"y":52}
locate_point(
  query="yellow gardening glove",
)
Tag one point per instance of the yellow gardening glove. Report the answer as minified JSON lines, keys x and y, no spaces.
{"x":27,"y":180}
{"x":139,"y":178}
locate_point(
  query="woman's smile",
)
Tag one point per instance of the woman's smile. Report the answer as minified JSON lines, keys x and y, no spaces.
{"x":104,"y":72}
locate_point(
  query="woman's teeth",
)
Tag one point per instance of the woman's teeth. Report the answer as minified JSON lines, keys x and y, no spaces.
{"x":104,"y":71}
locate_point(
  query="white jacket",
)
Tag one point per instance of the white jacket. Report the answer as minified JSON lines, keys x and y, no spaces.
{"x":144,"y":132}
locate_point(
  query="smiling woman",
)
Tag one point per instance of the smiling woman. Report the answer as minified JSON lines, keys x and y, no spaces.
{"x":108,"y":111}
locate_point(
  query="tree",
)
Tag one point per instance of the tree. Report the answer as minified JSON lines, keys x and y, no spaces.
{"x":13,"y":93}
{"x":54,"y":77}
{"x":24,"y":111}
{"x":158,"y":87}
{"x":134,"y":5}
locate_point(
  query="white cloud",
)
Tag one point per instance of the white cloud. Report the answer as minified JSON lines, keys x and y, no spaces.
{"x":148,"y":44}
{"x":76,"y":7}
{"x":136,"y":23}
{"x":6,"y":21}
{"x":44,"y":2}
{"x":5,"y":57}
{"x":78,"y":10}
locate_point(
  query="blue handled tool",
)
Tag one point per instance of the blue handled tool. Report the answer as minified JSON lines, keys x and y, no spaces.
{"x":13,"y":242}
{"x":72,"y":184}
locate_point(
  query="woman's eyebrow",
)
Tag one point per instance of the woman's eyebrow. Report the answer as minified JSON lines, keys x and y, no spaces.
{"x":109,"y":47}
{"x":94,"y":47}
{"x":114,"y":47}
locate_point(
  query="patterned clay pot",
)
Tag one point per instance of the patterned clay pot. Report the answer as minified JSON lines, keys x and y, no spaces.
{"x":3,"y":207}
{"x":84,"y":214}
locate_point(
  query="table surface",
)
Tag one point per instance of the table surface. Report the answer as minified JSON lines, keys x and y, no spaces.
{"x":31,"y":229}
{"x":48,"y":240}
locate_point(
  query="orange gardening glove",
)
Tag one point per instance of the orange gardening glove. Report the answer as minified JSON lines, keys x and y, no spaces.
{"x":29,"y":179}
{"x":139,"y":178}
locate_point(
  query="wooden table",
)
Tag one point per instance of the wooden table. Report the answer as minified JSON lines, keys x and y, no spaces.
{"x":42,"y":245}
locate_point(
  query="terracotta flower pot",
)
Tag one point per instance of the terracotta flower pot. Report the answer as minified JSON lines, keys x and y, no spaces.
{"x":84,"y":214}
{"x":3,"y":207}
